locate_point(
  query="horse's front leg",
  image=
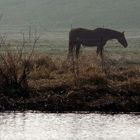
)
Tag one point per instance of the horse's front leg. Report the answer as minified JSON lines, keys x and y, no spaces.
{"x":101,"y":53}
{"x":98,"y":50}
{"x":102,"y":57}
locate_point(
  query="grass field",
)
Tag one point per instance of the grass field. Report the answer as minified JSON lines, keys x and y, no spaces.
{"x":48,"y":82}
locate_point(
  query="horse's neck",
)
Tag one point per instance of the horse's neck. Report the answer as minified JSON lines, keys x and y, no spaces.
{"x":112,"y":35}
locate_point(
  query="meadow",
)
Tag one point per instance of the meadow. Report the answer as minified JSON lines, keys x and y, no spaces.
{"x":36,"y":75}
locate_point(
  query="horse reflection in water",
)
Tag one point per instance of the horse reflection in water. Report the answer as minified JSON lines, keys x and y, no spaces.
{"x":90,"y":38}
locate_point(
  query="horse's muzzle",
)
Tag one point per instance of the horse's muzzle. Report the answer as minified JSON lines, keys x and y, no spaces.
{"x":125,"y":46}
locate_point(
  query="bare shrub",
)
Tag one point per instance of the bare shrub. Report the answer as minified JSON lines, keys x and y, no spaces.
{"x":14,"y":65}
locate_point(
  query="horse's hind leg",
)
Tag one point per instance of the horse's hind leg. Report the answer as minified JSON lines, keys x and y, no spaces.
{"x":77,"y":56}
{"x":71,"y":49}
{"x":77,"y":50}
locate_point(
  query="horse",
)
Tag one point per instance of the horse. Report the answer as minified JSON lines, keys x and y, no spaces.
{"x":97,"y":37}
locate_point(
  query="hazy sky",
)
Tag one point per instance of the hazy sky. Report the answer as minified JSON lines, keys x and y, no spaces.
{"x":63,"y":13}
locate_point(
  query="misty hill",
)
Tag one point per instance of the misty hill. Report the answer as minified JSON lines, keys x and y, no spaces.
{"x":62,"y":13}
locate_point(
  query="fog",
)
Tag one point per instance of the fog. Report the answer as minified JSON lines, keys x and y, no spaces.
{"x":62,"y":14}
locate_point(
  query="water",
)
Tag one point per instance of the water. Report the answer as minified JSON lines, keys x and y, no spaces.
{"x":43,"y":126}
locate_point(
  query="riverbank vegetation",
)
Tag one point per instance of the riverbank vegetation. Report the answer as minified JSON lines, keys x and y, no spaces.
{"x":39,"y":81}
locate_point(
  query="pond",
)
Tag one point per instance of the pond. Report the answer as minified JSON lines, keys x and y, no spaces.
{"x":69,"y":126}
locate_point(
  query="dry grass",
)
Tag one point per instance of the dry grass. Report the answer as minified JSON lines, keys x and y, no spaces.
{"x":43,"y":71}
{"x":50,"y":72}
{"x":33,"y":81}
{"x":54,"y":85}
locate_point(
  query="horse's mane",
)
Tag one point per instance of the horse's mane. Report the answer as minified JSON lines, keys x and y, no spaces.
{"x":100,"y":29}
{"x":107,"y":30}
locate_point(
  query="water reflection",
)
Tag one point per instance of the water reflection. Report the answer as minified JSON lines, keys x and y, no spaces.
{"x":40,"y":126}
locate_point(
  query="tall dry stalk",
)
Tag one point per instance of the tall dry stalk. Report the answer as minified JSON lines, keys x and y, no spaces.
{"x":14,"y":64}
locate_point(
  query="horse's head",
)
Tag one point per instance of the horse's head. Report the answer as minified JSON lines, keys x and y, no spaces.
{"x":122,"y":39}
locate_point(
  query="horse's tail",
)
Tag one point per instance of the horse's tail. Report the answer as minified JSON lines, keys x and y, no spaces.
{"x":70,"y":48}
{"x":71,"y":45}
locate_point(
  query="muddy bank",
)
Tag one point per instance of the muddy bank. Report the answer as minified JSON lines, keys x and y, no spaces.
{"x":65,"y":98}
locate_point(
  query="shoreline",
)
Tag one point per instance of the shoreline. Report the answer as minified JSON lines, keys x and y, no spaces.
{"x":73,"y":112}
{"x":85,"y":99}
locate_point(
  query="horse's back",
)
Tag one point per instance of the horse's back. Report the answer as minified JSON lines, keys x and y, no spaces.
{"x":85,"y":37}
{"x":85,"y":32}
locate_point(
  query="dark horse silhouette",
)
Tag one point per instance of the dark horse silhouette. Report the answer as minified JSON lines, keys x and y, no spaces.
{"x":97,"y":37}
